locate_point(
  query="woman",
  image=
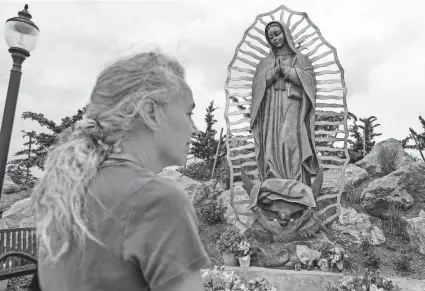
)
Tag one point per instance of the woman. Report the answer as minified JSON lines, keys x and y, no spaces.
{"x":282,"y":110}
{"x":105,"y":220}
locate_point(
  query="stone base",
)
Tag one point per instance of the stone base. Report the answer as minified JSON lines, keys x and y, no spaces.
{"x":286,"y":280}
{"x":282,"y":255}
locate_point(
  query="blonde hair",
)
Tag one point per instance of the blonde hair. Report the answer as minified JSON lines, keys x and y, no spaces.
{"x":60,"y":197}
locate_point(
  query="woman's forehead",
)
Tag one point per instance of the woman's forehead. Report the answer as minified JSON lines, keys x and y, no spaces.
{"x":184,"y":96}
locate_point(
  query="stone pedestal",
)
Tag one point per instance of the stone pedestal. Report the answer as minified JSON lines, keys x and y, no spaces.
{"x":279,"y":255}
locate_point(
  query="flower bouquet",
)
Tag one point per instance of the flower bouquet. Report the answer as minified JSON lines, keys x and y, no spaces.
{"x":227,"y":244}
{"x":244,"y":253}
{"x":334,"y":259}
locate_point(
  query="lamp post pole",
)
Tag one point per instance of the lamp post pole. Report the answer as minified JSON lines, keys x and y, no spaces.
{"x":26,"y":31}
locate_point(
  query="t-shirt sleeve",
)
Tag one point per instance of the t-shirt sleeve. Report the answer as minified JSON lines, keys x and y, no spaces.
{"x":162,"y":235}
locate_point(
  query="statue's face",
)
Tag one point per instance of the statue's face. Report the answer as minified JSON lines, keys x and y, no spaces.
{"x":276,"y":36}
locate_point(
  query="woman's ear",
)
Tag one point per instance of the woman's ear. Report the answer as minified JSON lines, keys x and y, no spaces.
{"x":152,"y":114}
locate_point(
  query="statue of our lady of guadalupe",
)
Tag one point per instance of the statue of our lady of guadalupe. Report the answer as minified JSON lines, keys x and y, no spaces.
{"x":282,"y":110}
{"x":282,"y":122}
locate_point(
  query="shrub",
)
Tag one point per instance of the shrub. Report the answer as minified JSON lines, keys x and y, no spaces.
{"x":372,"y":259}
{"x":199,"y":171}
{"x":222,"y":172}
{"x":229,"y":241}
{"x":387,"y":159}
{"x":212,"y":212}
{"x":371,"y":280}
{"x":402,"y":264}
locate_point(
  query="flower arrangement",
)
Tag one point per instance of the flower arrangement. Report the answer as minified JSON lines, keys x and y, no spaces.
{"x":243,"y":249}
{"x":335,"y":258}
{"x":372,"y":280}
{"x":217,"y":279}
{"x":229,"y":241}
{"x":258,"y":284}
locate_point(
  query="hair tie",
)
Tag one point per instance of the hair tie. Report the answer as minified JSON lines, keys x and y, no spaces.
{"x":90,"y":127}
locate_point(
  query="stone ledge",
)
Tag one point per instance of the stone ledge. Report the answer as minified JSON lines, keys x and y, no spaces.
{"x":290,"y":280}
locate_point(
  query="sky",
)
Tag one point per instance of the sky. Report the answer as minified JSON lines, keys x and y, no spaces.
{"x":380,"y":45}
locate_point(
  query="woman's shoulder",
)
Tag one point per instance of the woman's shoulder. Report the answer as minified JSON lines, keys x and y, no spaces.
{"x":161,"y":191}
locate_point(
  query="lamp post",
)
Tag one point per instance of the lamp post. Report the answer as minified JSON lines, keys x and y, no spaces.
{"x":21,"y":35}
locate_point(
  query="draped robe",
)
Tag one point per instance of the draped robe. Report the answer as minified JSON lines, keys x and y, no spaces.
{"x":282,"y":122}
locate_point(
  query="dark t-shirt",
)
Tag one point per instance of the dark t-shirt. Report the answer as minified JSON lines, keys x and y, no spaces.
{"x":149,"y":229}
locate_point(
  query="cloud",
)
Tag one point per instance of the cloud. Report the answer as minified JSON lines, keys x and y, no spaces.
{"x":381,"y":52}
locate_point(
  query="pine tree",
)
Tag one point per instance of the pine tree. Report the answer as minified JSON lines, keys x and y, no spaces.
{"x":19,"y":169}
{"x":369,"y":134}
{"x":356,"y":140}
{"x":327,"y":127}
{"x":44,"y":140}
{"x":204,"y":145}
{"x":418,"y":138}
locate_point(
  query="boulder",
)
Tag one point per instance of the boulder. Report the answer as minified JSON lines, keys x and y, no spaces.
{"x":354,"y":176}
{"x":9,"y":186}
{"x":415,"y":229}
{"x":239,"y":195}
{"x":400,"y":189}
{"x":191,"y":186}
{"x":7,"y":200}
{"x":392,"y":146}
{"x":358,"y":226}
{"x":18,"y":215}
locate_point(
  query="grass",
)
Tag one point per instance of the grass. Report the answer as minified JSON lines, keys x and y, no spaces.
{"x":351,"y":193}
{"x":388,"y":159}
{"x":395,"y":224}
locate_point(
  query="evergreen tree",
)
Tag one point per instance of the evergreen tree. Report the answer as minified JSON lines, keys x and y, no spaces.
{"x":43,"y":141}
{"x":356,"y":140}
{"x":324,"y":124}
{"x":327,"y":127}
{"x":369,"y":134}
{"x":204,"y":145}
{"x":418,"y":139}
{"x":19,"y":169}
